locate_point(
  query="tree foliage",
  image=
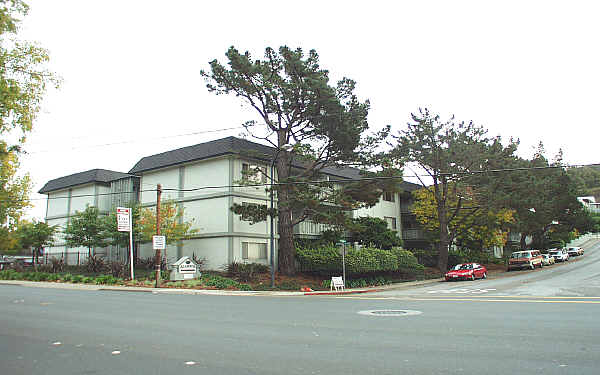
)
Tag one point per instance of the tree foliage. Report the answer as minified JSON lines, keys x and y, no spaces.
{"x":544,"y":197}
{"x":172,"y":223}
{"x":86,"y":229}
{"x":374,"y":232}
{"x":36,"y":235}
{"x":474,"y":227}
{"x":324,"y":124}
{"x":23,"y":83}
{"x":449,"y":152}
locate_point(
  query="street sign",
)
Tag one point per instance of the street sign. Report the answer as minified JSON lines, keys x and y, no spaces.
{"x":123,"y":222}
{"x":159,"y":242}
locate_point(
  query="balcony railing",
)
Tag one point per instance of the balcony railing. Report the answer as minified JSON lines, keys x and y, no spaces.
{"x":310,"y":228}
{"x":413,"y":234}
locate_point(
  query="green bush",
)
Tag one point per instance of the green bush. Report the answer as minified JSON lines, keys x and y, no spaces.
{"x":366,"y":260}
{"x":106,"y":279}
{"x":76,"y":278}
{"x":327,"y":260}
{"x":407,"y":262}
{"x":10,"y":275}
{"x":245,"y":271}
{"x":429,"y":257}
{"x":220,"y":282}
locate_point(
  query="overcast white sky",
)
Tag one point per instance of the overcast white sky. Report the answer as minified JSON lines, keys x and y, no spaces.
{"x":527,"y":69}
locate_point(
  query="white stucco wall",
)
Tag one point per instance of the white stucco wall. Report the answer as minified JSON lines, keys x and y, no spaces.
{"x":204,"y":174}
{"x":58,"y":203}
{"x":168,"y":178}
{"x":209,"y":215}
{"x":382,"y":210}
{"x":78,"y":202}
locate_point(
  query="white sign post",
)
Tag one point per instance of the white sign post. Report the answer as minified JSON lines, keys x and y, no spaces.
{"x":124,"y":224}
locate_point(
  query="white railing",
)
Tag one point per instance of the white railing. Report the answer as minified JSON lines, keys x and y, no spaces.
{"x":412,"y":234}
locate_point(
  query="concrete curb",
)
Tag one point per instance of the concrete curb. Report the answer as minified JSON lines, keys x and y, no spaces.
{"x":214,"y":292}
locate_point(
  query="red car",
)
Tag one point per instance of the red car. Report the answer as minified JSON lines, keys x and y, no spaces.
{"x":467,"y":271}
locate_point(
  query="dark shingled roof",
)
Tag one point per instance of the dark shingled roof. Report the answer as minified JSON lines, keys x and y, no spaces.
{"x":226,"y":146}
{"x":94,"y":175}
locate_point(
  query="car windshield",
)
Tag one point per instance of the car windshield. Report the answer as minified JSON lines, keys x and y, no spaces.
{"x":520,"y":255}
{"x":463,"y":267}
{"x":554,"y":253}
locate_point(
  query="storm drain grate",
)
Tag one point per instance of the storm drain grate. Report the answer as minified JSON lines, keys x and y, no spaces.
{"x":389,"y":312}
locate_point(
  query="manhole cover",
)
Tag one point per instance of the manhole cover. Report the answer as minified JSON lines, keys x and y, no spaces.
{"x":389,"y":312}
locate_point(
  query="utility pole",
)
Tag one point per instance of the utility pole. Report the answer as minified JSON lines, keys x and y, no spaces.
{"x":158,"y":255}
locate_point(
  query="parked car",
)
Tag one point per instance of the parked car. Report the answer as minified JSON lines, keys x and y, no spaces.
{"x":575,"y":251}
{"x":559,"y":255}
{"x":548,"y":259}
{"x":467,"y":271}
{"x":525,"y":259}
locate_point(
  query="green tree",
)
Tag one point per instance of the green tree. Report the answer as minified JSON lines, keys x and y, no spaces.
{"x":448,"y":152}
{"x":87,"y":228}
{"x":23,"y":83}
{"x":474,"y":227}
{"x":172,"y":223}
{"x":374,"y":232}
{"x":325,"y":126}
{"x":36,"y":235}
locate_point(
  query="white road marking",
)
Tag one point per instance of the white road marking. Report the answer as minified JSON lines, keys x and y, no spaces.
{"x":190,"y":363}
{"x":57,"y":343}
{"x":461,"y":291}
{"x":115,"y":352}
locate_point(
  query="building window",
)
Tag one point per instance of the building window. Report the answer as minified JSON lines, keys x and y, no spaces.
{"x":388,"y":196}
{"x":254,"y":173}
{"x":254,"y":251}
{"x":391,"y":222}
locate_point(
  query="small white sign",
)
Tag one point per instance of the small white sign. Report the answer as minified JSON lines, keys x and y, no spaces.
{"x":123,"y":222}
{"x":188,"y":267}
{"x":337,"y":283}
{"x":159,"y":242}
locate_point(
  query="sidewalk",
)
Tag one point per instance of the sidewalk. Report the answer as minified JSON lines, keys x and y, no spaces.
{"x":214,"y":292}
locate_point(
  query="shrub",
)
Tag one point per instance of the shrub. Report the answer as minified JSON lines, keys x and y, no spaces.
{"x":10,"y":274}
{"x":118,"y":269}
{"x":57,"y":265}
{"x":429,"y":257}
{"x":245,"y":271}
{"x":323,"y":260}
{"x":95,"y":264}
{"x":407,"y":262}
{"x":106,"y":279}
{"x":87,"y":280}
{"x":328,"y":260}
{"x":220,"y":282}
{"x":76,"y":279}
{"x":367,"y":260}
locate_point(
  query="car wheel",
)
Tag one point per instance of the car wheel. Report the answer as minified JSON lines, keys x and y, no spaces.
{"x":532,"y":266}
{"x":472,"y":277}
{"x":484,"y":275}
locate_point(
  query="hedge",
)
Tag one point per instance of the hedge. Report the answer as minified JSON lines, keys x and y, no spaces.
{"x":327,"y":260}
{"x":429,"y":257}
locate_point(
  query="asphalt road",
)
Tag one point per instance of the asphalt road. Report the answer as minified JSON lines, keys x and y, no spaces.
{"x":530,"y":322}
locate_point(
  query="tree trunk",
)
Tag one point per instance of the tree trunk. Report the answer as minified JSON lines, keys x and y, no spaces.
{"x":286,"y":250}
{"x":522,"y":242}
{"x":444,"y":240}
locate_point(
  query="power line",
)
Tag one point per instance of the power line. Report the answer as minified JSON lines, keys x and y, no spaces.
{"x":138,"y":140}
{"x":317,"y":182}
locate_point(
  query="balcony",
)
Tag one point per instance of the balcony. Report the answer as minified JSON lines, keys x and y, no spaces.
{"x":310,"y":229}
{"x":413,"y":234}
